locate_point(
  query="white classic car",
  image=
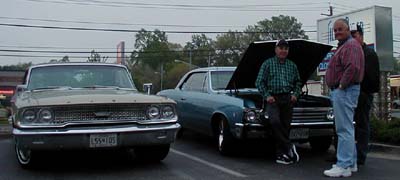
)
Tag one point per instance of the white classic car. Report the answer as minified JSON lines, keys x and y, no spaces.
{"x":89,"y":106}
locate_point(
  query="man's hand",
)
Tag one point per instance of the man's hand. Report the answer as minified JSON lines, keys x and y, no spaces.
{"x":270,"y":99}
{"x":293,"y":99}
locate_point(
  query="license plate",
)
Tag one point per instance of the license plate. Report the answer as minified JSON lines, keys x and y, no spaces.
{"x":103,"y":140}
{"x":299,"y":133}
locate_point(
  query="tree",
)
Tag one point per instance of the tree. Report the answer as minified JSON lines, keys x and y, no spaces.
{"x":200,"y":50}
{"x":64,"y":59}
{"x":17,"y":67}
{"x":279,"y":27}
{"x":153,"y":54}
{"x":152,"y":48}
{"x":95,"y":57}
{"x":230,"y":46}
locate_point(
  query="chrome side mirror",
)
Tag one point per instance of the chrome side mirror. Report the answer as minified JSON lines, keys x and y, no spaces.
{"x":21,"y":88}
{"x":147,"y":87}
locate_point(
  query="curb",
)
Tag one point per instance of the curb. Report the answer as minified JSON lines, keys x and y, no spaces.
{"x":380,"y":147}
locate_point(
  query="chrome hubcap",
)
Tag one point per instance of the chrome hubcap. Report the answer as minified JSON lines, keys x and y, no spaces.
{"x":221,"y":135}
{"x":24,"y":155}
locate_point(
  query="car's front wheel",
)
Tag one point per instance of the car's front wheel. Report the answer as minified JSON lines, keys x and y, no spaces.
{"x":321,"y":144}
{"x":152,"y":153}
{"x":24,"y":156}
{"x":225,"y":139}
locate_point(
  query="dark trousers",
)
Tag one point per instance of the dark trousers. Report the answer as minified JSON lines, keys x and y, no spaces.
{"x":362,"y":129}
{"x":280,"y":117}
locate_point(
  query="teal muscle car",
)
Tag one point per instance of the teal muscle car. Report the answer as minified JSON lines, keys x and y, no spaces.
{"x":223,"y":101}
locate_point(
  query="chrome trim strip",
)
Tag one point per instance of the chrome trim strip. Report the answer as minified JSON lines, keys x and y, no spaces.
{"x":312,"y":123}
{"x":143,"y":122}
{"x":93,"y":131}
{"x":292,"y":124}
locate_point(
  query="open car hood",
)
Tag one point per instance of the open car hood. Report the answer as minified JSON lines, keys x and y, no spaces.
{"x":306,"y":54}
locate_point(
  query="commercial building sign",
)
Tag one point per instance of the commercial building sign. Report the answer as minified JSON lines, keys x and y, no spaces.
{"x":376,"y":23}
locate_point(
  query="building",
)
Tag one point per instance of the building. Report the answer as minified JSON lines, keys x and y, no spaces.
{"x":8,"y":82}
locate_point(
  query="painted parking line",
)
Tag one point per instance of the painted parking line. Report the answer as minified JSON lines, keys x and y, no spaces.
{"x":216,"y":166}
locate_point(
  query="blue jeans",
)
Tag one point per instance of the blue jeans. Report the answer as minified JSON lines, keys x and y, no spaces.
{"x":344,"y":103}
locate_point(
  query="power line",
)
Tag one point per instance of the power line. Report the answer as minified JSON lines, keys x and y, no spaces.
{"x":110,"y":23}
{"x":40,"y":56}
{"x":52,"y":47}
{"x":135,"y":31}
{"x":123,"y":4}
{"x":114,"y":52}
{"x":175,"y":7}
{"x":191,"y":5}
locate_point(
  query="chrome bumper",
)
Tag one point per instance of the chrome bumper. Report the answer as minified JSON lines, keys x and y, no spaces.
{"x":78,"y":138}
{"x":249,"y":130}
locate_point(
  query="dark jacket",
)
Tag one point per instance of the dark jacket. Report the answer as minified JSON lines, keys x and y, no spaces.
{"x":370,"y":83}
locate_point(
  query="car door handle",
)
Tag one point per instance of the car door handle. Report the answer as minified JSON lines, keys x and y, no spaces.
{"x":183,"y":99}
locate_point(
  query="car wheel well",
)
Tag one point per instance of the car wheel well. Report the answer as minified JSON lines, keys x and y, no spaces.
{"x":214,"y":122}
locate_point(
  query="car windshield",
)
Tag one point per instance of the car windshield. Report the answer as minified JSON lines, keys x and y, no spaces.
{"x":79,"y":76}
{"x":220,"y":79}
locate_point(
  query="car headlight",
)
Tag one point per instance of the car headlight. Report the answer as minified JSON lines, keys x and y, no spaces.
{"x":29,"y":116}
{"x":45,"y":115}
{"x":153,"y":112}
{"x":251,"y":116}
{"x":168,"y":112}
{"x":330,"y":115}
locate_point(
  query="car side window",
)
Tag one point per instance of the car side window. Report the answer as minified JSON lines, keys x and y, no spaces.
{"x":195,"y":82}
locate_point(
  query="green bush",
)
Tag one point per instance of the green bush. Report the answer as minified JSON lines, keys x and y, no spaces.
{"x":386,"y":132}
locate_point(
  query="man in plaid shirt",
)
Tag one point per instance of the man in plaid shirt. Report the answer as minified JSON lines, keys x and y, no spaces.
{"x":279,"y":82}
{"x":344,"y":74}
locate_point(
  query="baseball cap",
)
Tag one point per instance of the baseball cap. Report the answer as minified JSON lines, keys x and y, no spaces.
{"x":282,"y":42}
{"x":358,"y":29}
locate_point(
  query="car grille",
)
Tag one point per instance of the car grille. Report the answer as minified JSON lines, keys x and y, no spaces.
{"x":309,"y":114}
{"x":89,"y":113}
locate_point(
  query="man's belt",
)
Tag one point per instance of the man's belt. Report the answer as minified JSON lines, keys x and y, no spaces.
{"x":336,"y":86}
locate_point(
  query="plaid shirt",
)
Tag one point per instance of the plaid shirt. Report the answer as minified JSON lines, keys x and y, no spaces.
{"x":275,"y":78}
{"x":346,"y":67}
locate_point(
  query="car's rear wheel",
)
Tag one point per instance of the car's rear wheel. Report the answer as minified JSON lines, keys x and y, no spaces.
{"x":320,"y":144}
{"x":24,"y":156}
{"x":152,"y":153}
{"x":225,"y":139}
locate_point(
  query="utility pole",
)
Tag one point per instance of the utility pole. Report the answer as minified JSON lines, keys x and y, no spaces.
{"x":161,"y":76}
{"x":209,"y":58}
{"x":324,"y":87}
{"x":330,"y":11}
{"x":190,"y":58}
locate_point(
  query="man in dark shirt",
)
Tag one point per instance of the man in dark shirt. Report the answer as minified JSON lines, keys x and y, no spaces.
{"x":369,"y":85}
{"x":279,"y":82}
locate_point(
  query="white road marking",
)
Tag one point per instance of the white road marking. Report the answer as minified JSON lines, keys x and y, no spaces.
{"x":216,"y":166}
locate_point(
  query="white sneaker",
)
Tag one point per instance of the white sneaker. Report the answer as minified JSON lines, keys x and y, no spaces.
{"x":338,"y":172}
{"x":352,"y":169}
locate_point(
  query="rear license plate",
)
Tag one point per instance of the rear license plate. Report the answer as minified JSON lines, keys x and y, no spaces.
{"x":103,"y":140}
{"x":299,"y":133}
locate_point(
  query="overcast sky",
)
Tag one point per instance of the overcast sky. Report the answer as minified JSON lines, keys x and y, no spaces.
{"x":190,"y":15}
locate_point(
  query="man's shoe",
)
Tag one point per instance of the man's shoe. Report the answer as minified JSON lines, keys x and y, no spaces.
{"x":337,"y":171}
{"x":352,"y":169}
{"x":295,"y":155}
{"x":284,"y":159}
